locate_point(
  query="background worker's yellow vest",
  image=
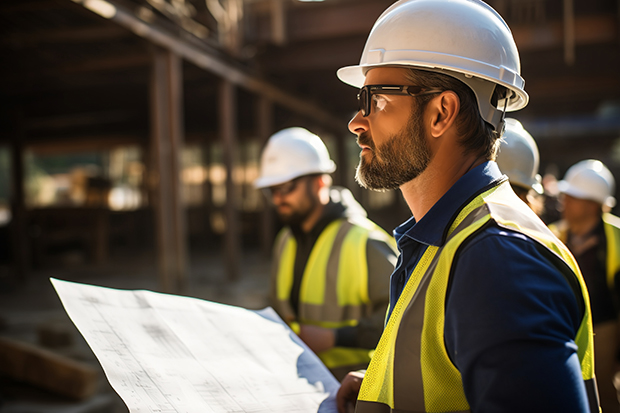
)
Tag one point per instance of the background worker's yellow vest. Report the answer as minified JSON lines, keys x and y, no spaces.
{"x":410,"y":370}
{"x":334,"y":287}
{"x":611,"y":224}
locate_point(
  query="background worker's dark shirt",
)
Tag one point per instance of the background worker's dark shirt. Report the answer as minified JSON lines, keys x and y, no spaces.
{"x":593,"y":264}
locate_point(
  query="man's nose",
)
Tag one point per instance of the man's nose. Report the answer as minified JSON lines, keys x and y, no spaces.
{"x":358,"y":124}
{"x":276,"y":198}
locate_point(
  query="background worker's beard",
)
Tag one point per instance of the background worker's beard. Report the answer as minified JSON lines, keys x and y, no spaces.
{"x":294,"y":218}
{"x":402,"y":158}
{"x":297,"y":213}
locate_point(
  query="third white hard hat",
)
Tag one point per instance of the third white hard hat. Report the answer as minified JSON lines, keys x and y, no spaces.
{"x":465,"y":39}
{"x":589,"y":179}
{"x":291,"y":153}
{"x":518,"y":156}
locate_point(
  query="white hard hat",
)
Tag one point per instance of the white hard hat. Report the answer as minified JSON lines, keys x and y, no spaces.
{"x":292,"y":153}
{"x":518,"y":156}
{"x":465,"y":39}
{"x":589,"y":179}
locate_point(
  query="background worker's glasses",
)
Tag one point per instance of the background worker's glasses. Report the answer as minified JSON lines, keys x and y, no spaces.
{"x":364,"y":97}
{"x":282,"y":189}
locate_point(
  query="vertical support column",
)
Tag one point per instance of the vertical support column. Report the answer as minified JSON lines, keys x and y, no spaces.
{"x":342,"y":160}
{"x":207,"y":187}
{"x":265,"y":129}
{"x":228,"y":133}
{"x":569,"y":32}
{"x":618,"y":22}
{"x":19,"y":222}
{"x":166,"y":145}
{"x":278,"y":22}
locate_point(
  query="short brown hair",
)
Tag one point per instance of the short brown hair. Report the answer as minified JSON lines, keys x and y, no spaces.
{"x":477,"y":136}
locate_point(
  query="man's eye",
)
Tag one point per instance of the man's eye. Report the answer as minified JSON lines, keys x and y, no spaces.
{"x":380,"y":101}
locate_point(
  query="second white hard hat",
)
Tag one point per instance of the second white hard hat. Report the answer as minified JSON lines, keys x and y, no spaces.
{"x":589,"y":179}
{"x":291,"y":153}
{"x":465,"y":39}
{"x":518,"y":156}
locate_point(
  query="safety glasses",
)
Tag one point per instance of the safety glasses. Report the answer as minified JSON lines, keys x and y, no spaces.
{"x":364,"y":97}
{"x":282,"y":189}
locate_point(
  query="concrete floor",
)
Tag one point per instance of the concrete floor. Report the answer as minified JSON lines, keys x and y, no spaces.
{"x":26,"y":308}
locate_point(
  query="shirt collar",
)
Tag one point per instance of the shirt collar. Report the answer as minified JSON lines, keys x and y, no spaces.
{"x":431,"y":228}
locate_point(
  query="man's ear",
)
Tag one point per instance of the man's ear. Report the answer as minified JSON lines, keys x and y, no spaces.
{"x":443,"y":111}
{"x":325,"y":180}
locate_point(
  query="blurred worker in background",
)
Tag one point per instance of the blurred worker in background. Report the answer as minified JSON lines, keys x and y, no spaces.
{"x":518,"y":158}
{"x":331,"y":264}
{"x":488,"y":311}
{"x":593,"y":236}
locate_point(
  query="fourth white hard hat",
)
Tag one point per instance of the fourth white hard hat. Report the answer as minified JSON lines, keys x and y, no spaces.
{"x":465,"y":39}
{"x":589,"y":179}
{"x":291,"y":153}
{"x":518,"y":156}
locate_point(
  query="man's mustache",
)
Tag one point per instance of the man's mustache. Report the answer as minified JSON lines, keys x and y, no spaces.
{"x":365,"y":140}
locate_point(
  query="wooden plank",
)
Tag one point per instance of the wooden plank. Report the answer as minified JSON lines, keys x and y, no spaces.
{"x":50,"y":371}
{"x":228,"y":132}
{"x":166,"y":142}
{"x":77,"y":119}
{"x":571,"y":87}
{"x":587,"y":30}
{"x":332,"y":53}
{"x":569,"y":32}
{"x":19,"y":225}
{"x":176,"y":136}
{"x":85,"y":34}
{"x":278,"y":22}
{"x":312,"y":23}
{"x":210,"y":60}
{"x":265,"y":129}
{"x":83,"y":143}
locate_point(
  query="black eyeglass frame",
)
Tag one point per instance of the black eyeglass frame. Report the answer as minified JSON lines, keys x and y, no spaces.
{"x":364,"y":96}
{"x":286,"y":188}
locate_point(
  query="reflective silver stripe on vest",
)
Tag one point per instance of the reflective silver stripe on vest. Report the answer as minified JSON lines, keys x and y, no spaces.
{"x":330,"y":311}
{"x":408,"y":370}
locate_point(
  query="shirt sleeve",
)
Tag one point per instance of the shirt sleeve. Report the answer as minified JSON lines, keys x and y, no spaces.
{"x":511,"y":319}
{"x":381,"y":258}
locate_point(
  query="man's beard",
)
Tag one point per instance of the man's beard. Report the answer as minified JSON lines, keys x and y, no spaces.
{"x":403,"y":157}
{"x":293,"y":219}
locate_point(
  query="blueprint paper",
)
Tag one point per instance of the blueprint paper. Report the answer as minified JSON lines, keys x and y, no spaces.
{"x":165,"y":353}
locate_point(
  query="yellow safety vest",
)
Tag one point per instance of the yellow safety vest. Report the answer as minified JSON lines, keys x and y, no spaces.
{"x":410,"y":370}
{"x":611,"y":224}
{"x":334,"y":286}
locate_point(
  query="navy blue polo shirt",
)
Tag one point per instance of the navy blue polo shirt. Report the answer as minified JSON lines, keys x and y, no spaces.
{"x":511,"y":316}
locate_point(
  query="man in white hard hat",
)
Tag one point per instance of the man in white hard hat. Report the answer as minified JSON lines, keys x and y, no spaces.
{"x":331,"y":264}
{"x":518,"y":158}
{"x":593,"y":236}
{"x":488,"y":310}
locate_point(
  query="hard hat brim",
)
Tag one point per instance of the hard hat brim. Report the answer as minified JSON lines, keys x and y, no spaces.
{"x":267,"y":181}
{"x":566,"y":188}
{"x":356,"y":75}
